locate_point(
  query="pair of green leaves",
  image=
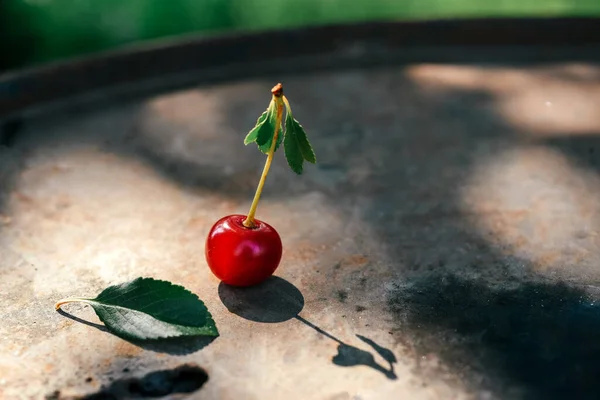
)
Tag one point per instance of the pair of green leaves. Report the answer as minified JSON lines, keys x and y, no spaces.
{"x":146,"y":309}
{"x":295,"y":142}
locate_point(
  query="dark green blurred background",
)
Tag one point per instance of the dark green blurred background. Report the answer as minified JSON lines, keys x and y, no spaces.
{"x":38,"y":31}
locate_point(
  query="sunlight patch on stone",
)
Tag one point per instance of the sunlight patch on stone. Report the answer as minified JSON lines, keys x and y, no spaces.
{"x":542,"y":206}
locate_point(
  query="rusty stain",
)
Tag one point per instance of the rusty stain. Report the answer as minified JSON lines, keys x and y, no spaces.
{"x":23,"y":197}
{"x":229,"y":206}
{"x":89,"y":217}
{"x":356,"y":260}
{"x":65,"y":323}
{"x":60,"y":168}
{"x":63,"y":202}
{"x":195,"y":223}
{"x":127,"y":350}
{"x":547,"y":259}
{"x":303,"y":252}
{"x":521,"y":241}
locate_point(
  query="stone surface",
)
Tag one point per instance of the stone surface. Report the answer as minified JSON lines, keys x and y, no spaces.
{"x":450,"y":231}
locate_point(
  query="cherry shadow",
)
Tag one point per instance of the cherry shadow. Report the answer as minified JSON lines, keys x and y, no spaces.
{"x":277,"y":300}
{"x":273,"y":301}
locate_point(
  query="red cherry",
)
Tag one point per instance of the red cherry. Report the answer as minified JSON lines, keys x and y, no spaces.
{"x":241,"y":256}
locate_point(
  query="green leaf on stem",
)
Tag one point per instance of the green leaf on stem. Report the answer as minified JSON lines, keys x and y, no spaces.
{"x":296,"y":145}
{"x":305,"y":148}
{"x":253,"y":134}
{"x":267,"y":146}
{"x":264,"y":130}
{"x":292,"y":152}
{"x":147,"y":308}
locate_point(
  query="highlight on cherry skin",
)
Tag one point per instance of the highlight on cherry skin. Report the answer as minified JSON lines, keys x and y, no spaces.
{"x":242,"y":256}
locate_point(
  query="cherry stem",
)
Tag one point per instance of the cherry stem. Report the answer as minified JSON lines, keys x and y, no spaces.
{"x":277,"y":97}
{"x":70,"y":300}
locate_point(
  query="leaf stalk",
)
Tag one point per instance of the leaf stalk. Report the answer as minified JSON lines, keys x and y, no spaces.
{"x":71,"y":300}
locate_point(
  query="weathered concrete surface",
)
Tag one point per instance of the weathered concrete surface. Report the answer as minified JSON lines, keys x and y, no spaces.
{"x":452,"y":222}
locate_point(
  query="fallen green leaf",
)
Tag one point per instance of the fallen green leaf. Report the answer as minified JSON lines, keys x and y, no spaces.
{"x":146,"y":308}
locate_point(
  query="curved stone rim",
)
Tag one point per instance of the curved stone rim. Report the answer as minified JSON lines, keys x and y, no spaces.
{"x":161,"y":65}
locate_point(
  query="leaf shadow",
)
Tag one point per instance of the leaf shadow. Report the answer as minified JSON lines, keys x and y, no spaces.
{"x":385,"y":353}
{"x":277,"y":300}
{"x":82,"y":321}
{"x":184,"y":379}
{"x":351,"y":356}
{"x":178,"y":346}
{"x":174,"y":346}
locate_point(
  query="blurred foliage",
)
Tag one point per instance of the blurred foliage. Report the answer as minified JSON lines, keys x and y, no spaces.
{"x":36,"y":31}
